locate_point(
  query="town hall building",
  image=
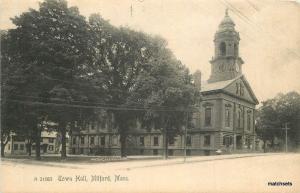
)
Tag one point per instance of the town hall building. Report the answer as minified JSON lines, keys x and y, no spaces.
{"x":223,"y":122}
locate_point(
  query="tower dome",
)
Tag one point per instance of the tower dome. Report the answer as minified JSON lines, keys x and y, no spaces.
{"x":226,"y":25}
{"x":227,"y":21}
{"x":226,"y":63}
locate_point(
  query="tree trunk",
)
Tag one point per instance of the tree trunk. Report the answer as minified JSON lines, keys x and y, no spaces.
{"x":4,"y":141}
{"x":29,"y":145}
{"x":63,"y":142}
{"x":38,"y":144}
{"x":165,"y":144}
{"x":123,"y":144}
{"x":272,"y":144}
{"x":2,"y":149}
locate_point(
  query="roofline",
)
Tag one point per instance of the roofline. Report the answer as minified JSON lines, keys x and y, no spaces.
{"x":247,"y":84}
{"x":228,"y":93}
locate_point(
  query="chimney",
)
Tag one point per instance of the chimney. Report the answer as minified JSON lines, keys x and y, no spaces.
{"x":197,"y":79}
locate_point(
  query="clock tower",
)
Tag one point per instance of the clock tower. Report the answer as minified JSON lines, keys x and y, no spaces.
{"x":226,"y":64}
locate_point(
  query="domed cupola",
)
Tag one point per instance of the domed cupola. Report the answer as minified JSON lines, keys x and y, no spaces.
{"x":226,"y":64}
{"x":227,"y":23}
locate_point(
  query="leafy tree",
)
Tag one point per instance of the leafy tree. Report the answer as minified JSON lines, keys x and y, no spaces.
{"x":138,"y":71}
{"x":167,"y":91}
{"x":52,"y":43}
{"x":117,"y":60}
{"x":275,"y":113}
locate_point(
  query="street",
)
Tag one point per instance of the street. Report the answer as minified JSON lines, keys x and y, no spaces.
{"x":231,"y":173}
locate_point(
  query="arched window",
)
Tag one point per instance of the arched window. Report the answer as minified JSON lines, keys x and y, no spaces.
{"x":223,"y":49}
{"x":235,"y":50}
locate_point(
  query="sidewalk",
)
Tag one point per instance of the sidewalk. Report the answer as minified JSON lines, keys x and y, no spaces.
{"x":129,"y":163}
{"x":174,"y":161}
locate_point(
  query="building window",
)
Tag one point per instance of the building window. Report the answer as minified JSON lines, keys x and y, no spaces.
{"x":142,"y":141}
{"x":239,"y":119}
{"x":82,"y":140}
{"x":115,"y":140}
{"x":51,"y":140}
{"x":103,"y":123}
{"x":249,"y":121}
{"x":188,"y":140}
{"x":16,"y":146}
{"x":170,"y":152}
{"x":21,"y":146}
{"x":81,"y":150}
{"x":155,"y":152}
{"x":155,"y":141}
{"x":207,"y":140}
{"x":227,"y":141}
{"x":92,"y":140}
{"x":141,"y":152}
{"x":92,"y":125}
{"x":171,"y":140}
{"x":8,"y":147}
{"x":50,"y":147}
{"x":207,"y":116}
{"x":223,"y":49}
{"x":227,"y":117}
{"x":74,"y":140}
{"x":102,"y":140}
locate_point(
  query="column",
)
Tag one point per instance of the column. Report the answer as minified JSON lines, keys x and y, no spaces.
{"x":234,"y":142}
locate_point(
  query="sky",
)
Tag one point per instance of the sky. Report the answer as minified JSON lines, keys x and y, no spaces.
{"x":269,"y":32}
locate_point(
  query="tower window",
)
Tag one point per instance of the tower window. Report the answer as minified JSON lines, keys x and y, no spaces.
{"x":223,"y":49}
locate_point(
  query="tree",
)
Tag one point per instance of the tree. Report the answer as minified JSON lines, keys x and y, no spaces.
{"x":117,"y":59}
{"x":52,"y":43}
{"x":138,"y":71}
{"x":167,"y":91}
{"x":275,"y":113}
{"x":15,"y":117}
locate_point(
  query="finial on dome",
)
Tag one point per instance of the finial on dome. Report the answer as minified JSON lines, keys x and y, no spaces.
{"x":226,"y":12}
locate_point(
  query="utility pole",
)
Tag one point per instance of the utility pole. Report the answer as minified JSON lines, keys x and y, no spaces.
{"x":286,"y":138}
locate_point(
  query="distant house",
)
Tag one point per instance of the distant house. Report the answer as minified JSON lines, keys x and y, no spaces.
{"x":19,"y":144}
